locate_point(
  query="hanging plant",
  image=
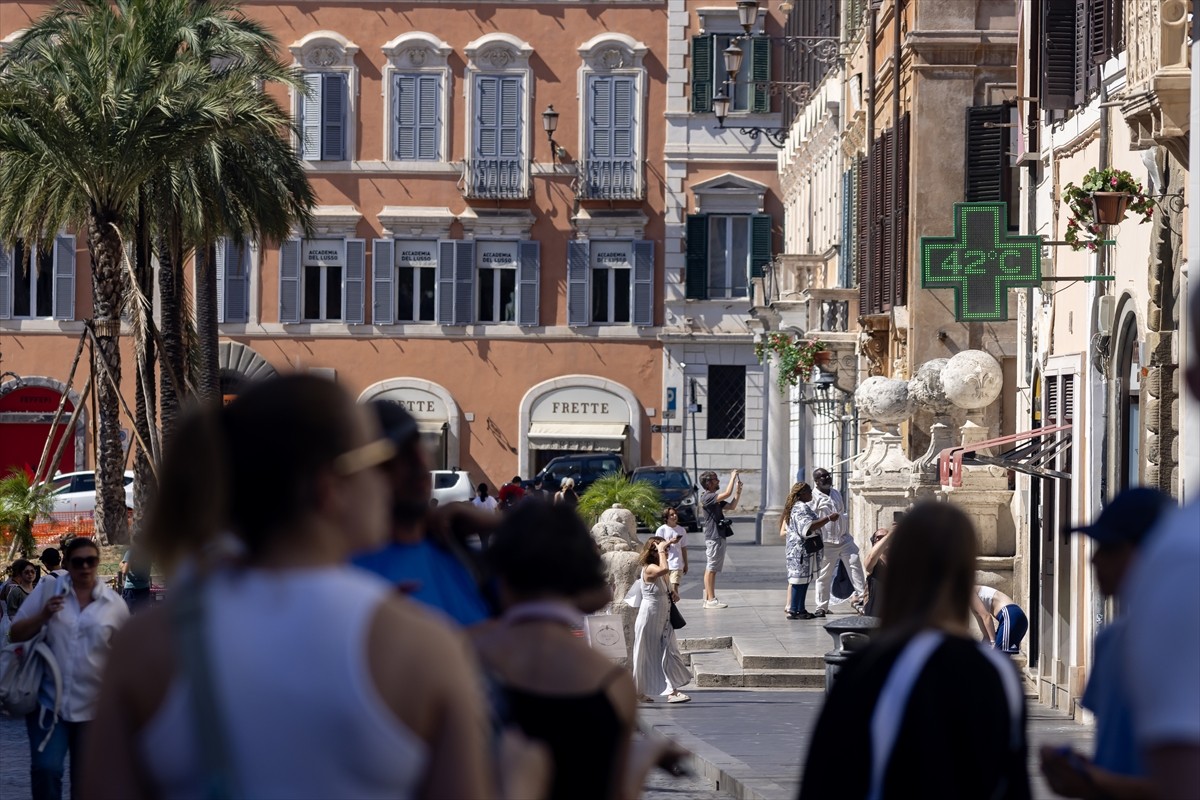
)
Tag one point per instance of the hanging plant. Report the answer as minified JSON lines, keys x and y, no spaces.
{"x":1083,"y":229}
{"x":794,"y":357}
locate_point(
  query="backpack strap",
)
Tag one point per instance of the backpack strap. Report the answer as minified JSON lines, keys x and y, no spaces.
{"x":889,"y":708}
{"x":1013,"y":695}
{"x":41,"y":650}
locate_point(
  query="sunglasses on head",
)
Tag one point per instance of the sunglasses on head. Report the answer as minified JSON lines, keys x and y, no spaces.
{"x":80,"y":562}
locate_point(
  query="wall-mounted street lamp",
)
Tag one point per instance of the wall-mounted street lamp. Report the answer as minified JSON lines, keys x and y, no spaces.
{"x":550,"y":125}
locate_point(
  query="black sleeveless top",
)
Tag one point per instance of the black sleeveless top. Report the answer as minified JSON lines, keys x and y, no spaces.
{"x":582,"y":733}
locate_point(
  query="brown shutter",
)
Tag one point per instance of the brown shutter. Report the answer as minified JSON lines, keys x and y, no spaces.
{"x":882,"y":289}
{"x":1062,"y":77}
{"x":1100,"y":30}
{"x":862,"y":220}
{"x":900,"y":279}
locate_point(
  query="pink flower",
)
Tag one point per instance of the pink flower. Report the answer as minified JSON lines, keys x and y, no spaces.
{"x":1114,"y":181}
{"x":1092,"y":246}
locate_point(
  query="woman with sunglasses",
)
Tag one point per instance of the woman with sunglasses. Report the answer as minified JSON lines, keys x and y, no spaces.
{"x":80,"y":614}
{"x":24,"y":575}
{"x":286,"y":672}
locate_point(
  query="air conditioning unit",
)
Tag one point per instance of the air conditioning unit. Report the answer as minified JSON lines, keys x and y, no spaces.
{"x":1104,"y":313}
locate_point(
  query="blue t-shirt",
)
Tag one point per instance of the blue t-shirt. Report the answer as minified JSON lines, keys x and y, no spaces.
{"x":430,"y":575}
{"x":1105,"y":697}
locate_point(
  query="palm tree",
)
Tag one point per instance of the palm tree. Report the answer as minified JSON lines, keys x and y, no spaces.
{"x":95,"y":97}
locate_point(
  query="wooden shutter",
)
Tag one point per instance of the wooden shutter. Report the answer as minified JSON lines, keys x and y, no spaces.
{"x":900,"y":218}
{"x":847,"y":257}
{"x":310,"y":117}
{"x":529,"y":278}
{"x":702,"y":74}
{"x":987,"y":160}
{"x":6,"y":282}
{"x":429,"y":106}
{"x":643,"y":283}
{"x":1052,"y":401}
{"x":600,"y":152}
{"x":862,"y":219}
{"x":578,"y":263}
{"x":289,"y":281}
{"x":445,"y":282}
{"x":881,"y":267}
{"x":383,"y":284}
{"x":333,"y":117}
{"x":404,"y":94}
{"x":1100,"y":30}
{"x":697,"y":257}
{"x":64,"y":277}
{"x":464,"y":282}
{"x":760,"y":74}
{"x":237,"y":282}
{"x":510,"y":118}
{"x":221,"y":267}
{"x":760,"y":244}
{"x":354,"y":282}
{"x":1062,"y":78}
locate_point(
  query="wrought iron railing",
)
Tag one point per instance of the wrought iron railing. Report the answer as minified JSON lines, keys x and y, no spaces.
{"x":610,"y":180}
{"x":498,"y":178}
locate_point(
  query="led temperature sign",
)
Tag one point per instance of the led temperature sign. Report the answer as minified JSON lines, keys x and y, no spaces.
{"x":980,"y":262}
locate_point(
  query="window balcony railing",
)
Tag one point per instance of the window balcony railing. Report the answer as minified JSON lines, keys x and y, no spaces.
{"x":610,"y":180}
{"x":496,"y":178}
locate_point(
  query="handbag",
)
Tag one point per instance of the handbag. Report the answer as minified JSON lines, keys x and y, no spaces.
{"x":813,"y":544}
{"x":677,"y":620}
{"x":724,"y":527}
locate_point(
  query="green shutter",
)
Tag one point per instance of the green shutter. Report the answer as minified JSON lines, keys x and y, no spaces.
{"x":702,"y":74}
{"x":760,"y":244}
{"x":760,"y":74}
{"x":697,"y":257}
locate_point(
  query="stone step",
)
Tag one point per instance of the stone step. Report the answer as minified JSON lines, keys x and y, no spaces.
{"x":692,"y":644}
{"x":752,"y":660}
{"x":720,"y":669}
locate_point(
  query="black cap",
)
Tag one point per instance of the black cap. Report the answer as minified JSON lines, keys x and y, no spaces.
{"x":1129,"y":517}
{"x":398,"y":425}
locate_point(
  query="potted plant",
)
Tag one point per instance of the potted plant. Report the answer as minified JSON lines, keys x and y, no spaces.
{"x":795,"y":357}
{"x":1103,"y":198}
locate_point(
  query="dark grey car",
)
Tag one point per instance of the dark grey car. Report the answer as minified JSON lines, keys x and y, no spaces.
{"x":677,"y":489}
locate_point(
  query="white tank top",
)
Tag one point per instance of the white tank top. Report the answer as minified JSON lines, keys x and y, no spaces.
{"x":302,"y":716}
{"x":986,"y":593}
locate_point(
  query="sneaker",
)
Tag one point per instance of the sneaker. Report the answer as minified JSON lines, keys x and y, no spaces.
{"x":820,"y":612}
{"x":715,"y":603}
{"x":678,"y":697}
{"x":807,"y":615}
{"x":793,"y":615}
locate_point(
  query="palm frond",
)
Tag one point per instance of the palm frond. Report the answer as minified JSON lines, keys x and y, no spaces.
{"x":643,"y":499}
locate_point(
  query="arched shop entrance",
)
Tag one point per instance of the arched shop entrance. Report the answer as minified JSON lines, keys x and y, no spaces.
{"x":238,"y":366}
{"x":433,"y":408}
{"x":578,"y":413}
{"x":27,"y":407}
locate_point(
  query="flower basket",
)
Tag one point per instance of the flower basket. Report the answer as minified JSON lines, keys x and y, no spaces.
{"x":1104,"y":197}
{"x":795,"y":357}
{"x":822,"y":357}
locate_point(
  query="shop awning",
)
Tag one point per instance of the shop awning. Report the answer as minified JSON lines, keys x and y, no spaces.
{"x":1037,"y":456}
{"x":429,"y":427}
{"x":577,"y":435}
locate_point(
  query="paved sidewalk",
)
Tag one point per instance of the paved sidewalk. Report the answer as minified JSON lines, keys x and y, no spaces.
{"x":752,"y":743}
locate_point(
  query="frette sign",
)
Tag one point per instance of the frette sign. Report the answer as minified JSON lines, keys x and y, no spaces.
{"x":324,"y":252}
{"x":579,"y":405}
{"x":424,"y":406}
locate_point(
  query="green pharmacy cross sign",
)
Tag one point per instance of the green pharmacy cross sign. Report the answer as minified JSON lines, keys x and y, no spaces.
{"x":980,"y":262}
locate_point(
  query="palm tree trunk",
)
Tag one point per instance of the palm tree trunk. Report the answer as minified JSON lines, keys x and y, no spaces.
{"x":207,"y":335}
{"x":170,"y":288}
{"x":144,"y":485}
{"x":105,"y":245}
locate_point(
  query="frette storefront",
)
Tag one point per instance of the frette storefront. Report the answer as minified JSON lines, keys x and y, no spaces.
{"x":579,"y":413}
{"x":435,"y":411}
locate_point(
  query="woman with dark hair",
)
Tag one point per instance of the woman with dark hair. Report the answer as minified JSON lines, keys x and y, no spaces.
{"x":285,"y":673}
{"x":80,"y":614}
{"x":549,"y":683}
{"x":799,"y":521}
{"x":945,"y":716}
{"x":658,"y":667}
{"x":24,"y":575}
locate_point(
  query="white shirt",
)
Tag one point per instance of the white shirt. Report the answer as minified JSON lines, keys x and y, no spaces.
{"x":676,"y":538}
{"x":80,"y":640}
{"x":487,"y":503}
{"x":825,"y":504}
{"x":1162,"y":638}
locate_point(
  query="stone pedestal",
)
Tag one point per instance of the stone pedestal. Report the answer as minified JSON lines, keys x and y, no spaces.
{"x":878,"y":484}
{"x":985,"y":497}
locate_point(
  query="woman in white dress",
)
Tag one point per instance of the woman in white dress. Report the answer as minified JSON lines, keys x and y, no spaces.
{"x":658,"y":668}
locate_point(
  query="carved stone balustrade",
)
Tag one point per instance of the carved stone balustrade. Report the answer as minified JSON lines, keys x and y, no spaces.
{"x":1157,"y":104}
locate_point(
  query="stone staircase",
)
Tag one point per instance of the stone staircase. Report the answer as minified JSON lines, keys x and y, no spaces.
{"x":719,"y":662}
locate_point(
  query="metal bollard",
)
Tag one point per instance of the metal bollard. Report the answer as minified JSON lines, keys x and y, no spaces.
{"x":849,"y":636}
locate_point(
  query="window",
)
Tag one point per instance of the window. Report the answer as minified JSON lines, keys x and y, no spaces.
{"x":610,"y":282}
{"x":990,"y":143}
{"x":321,"y":280}
{"x":37,"y":282}
{"x":416,"y":281}
{"x":726,"y":402}
{"x":325,"y":109}
{"x":1078,"y":36}
{"x":499,"y":78}
{"x":883,"y":267}
{"x":749,"y":93}
{"x":497,"y":282}
{"x":614,"y":81}
{"x":724,"y":252}
{"x":233,"y":281}
{"x":416,"y":109}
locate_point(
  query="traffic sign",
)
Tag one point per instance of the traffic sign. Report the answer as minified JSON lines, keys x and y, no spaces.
{"x":980,"y":262}
{"x":666,"y":429}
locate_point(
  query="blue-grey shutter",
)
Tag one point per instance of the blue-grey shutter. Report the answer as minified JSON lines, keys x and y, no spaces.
{"x":64,"y":277}
{"x":383,"y":273}
{"x":511,"y":139}
{"x":846,"y":256}
{"x":6,"y":282}
{"x":237,"y":283}
{"x":623,"y":141}
{"x":760,"y":244}
{"x":600,"y":153}
{"x":221,"y":267}
{"x":464,"y":282}
{"x":310,"y":117}
{"x":429,"y":104}
{"x":487,"y":135}
{"x":333,"y":118}
{"x":289,"y":281}
{"x":445,"y":282}
{"x":697,"y":257}
{"x":529,"y":276}
{"x":702,"y":74}
{"x":611,"y":168}
{"x":643,"y":283}
{"x":578,"y":259}
{"x":404,"y":93}
{"x":354,"y":280}
{"x":760,"y":74}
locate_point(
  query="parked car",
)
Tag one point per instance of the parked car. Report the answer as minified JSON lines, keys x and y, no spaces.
{"x":75,"y":492}
{"x":452,"y":486}
{"x":584,"y":468}
{"x":676,"y":487}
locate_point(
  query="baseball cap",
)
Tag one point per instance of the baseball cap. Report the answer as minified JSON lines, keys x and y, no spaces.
{"x":1129,"y":517}
{"x":398,"y":425}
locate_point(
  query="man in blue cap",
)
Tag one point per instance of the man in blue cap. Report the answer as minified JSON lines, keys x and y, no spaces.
{"x":1115,"y":771}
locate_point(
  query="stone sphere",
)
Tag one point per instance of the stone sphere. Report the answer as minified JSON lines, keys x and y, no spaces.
{"x":972,"y":379}
{"x":926,"y":388}
{"x":883,"y":399}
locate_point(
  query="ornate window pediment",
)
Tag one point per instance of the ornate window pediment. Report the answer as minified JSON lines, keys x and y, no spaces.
{"x":498,"y":52}
{"x":610,"y":52}
{"x":417,"y":50}
{"x":324,"y":50}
